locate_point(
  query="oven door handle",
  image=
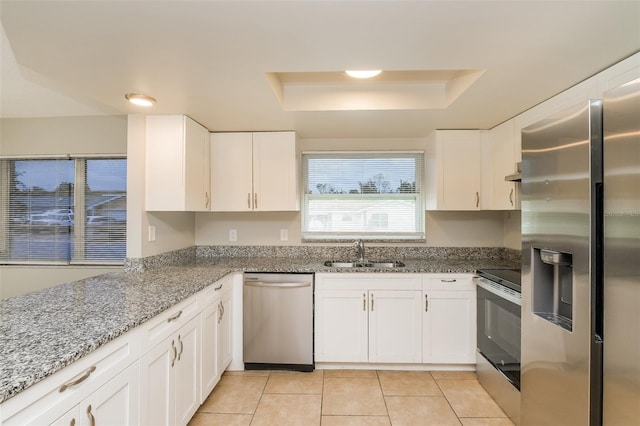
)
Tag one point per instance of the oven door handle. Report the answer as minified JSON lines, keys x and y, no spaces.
{"x":491,"y":289}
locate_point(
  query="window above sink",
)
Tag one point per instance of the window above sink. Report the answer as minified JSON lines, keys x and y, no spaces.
{"x":363,"y":195}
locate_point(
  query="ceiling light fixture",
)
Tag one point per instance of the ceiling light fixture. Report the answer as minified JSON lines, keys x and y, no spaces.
{"x":140,"y":100}
{"x":363,"y":73}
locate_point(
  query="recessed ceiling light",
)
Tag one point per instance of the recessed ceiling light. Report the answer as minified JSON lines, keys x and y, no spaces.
{"x":140,"y":100}
{"x":363,"y":73}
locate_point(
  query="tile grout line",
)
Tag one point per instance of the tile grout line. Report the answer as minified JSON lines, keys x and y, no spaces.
{"x":383,"y":397}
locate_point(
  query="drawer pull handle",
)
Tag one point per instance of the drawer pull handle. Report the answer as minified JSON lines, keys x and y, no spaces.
{"x":175,"y":317}
{"x":218,"y":288}
{"x":79,"y":380}
{"x":92,"y":418}
{"x":448,"y":281}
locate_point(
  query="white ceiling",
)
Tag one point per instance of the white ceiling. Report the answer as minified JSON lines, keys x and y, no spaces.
{"x":210,"y":59}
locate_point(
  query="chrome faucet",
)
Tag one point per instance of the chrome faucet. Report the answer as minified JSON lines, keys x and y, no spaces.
{"x":359,"y":244}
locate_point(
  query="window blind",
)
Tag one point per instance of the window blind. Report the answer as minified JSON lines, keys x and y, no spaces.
{"x":62,"y":210}
{"x":363,"y":195}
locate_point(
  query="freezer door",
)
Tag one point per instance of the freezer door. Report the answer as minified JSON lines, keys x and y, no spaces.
{"x":558,"y":173}
{"x":622,"y":255}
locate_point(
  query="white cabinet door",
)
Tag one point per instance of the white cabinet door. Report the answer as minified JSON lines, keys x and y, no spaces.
{"x":115,"y":403}
{"x":225,"y":334}
{"x":341,"y":326}
{"x":395,"y":326}
{"x":197,"y":167}
{"x":232,"y":172}
{"x":157,"y":384}
{"x":275,"y":182}
{"x":503,"y":162}
{"x":170,"y":378}
{"x":209,"y":359}
{"x":187,"y":371}
{"x":453,"y":170}
{"x":254,"y":172}
{"x":449,"y":328}
{"x":177,"y":164}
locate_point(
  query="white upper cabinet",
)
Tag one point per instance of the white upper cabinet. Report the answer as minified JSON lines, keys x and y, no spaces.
{"x":504,"y":154}
{"x":177,"y":164}
{"x":453,"y":170}
{"x":254,"y":172}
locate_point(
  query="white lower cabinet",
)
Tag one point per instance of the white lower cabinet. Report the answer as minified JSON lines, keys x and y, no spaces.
{"x":115,"y":403}
{"x":368,"y":318}
{"x":395,"y":332}
{"x":395,"y":318}
{"x":449,"y":320}
{"x":216,"y":336}
{"x":170,"y":378}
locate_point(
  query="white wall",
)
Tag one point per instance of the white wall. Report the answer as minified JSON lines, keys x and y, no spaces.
{"x":56,"y":136}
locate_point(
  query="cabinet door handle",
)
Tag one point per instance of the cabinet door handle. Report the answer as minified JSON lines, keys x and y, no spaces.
{"x":448,"y":281}
{"x":219,"y":312}
{"x":511,"y":196}
{"x":426,"y":303}
{"x":371,"y":302}
{"x":174,"y":317}
{"x":477,"y":198}
{"x":206,"y":200}
{"x":72,"y":422}
{"x":364,"y":302}
{"x":255,"y":200}
{"x":181,"y":347}
{"x":79,"y":380}
{"x":249,"y":200}
{"x":175,"y":353}
{"x":92,"y":418}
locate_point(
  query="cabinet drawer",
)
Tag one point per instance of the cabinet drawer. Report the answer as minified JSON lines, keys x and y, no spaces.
{"x":212,"y":293}
{"x":452,"y":282}
{"x":58,"y":393}
{"x":161,"y":326}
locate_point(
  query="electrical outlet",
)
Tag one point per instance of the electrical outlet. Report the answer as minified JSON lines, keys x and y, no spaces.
{"x":233,"y":235}
{"x":284,"y":235}
{"x":152,"y":233}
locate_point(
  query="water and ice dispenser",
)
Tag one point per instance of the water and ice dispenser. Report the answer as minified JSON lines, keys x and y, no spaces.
{"x":552,"y":273}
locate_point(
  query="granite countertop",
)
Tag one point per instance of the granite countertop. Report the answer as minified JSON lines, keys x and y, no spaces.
{"x":44,"y":331}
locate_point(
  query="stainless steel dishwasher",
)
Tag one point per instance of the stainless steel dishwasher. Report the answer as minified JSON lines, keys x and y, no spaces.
{"x":278,"y":321}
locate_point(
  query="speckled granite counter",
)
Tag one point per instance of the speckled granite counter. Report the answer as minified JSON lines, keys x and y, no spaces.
{"x":44,"y":331}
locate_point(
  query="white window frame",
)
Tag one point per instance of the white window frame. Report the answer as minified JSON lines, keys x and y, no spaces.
{"x":418,"y":198}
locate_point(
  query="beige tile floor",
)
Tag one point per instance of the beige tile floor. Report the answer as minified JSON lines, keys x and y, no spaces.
{"x":349,"y":397}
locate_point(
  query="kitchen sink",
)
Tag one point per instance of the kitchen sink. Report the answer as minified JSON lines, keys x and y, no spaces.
{"x":365,"y":264}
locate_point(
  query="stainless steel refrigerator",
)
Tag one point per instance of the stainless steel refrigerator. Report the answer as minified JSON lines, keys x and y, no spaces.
{"x":581,"y":264}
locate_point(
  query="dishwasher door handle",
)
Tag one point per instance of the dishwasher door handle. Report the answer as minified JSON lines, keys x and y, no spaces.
{"x":281,"y":285}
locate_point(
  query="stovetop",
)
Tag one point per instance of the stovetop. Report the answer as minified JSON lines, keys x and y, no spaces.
{"x":507,"y":277}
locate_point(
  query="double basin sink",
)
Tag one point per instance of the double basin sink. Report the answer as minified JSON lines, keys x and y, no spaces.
{"x":364,"y":264}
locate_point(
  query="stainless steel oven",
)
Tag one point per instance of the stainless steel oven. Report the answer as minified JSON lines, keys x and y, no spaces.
{"x":498,"y":336}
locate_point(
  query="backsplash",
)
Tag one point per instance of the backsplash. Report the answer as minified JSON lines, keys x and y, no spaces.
{"x":183,"y":256}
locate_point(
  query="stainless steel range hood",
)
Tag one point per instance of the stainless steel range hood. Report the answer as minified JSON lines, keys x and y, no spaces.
{"x":514,"y":177}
